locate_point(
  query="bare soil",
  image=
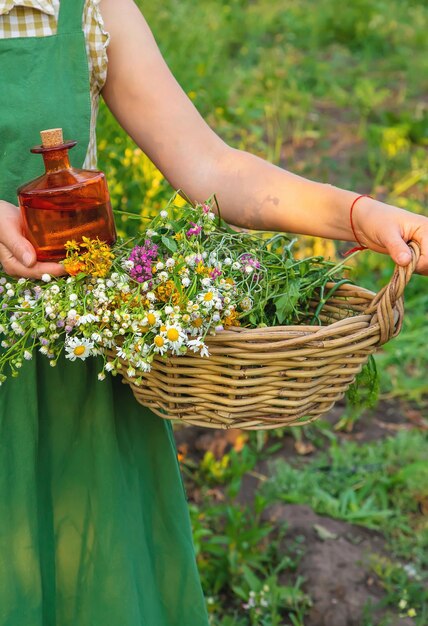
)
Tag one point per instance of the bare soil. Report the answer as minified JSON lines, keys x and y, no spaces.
{"x":335,"y":565}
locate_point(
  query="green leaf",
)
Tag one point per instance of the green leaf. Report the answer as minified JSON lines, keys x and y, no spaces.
{"x":286,"y":303}
{"x":169,"y":243}
{"x":250,"y":578}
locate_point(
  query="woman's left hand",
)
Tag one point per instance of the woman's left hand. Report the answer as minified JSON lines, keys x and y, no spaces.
{"x":387,"y":229}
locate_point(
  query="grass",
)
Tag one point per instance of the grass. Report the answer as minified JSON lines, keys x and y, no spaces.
{"x":336,"y":93}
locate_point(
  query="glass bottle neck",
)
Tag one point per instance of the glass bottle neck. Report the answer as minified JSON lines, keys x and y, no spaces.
{"x":56,"y":160}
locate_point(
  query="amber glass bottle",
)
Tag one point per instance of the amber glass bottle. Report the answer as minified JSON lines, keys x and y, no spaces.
{"x":65,"y":203}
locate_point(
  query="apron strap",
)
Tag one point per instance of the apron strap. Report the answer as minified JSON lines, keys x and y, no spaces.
{"x":70,"y":16}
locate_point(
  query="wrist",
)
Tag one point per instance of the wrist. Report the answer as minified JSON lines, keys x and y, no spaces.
{"x":340,"y":203}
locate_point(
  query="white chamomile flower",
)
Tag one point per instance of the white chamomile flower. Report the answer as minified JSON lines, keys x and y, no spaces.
{"x":164,"y":215}
{"x":206,"y":282}
{"x":185,"y":281}
{"x":46,"y":278}
{"x":121,"y":353}
{"x":131,"y":372}
{"x":170,"y":263}
{"x":169,"y":309}
{"x":204,"y":351}
{"x":78,"y":348}
{"x":163,"y":276}
{"x":109,"y":367}
{"x":17,"y":328}
{"x":87,"y":319}
{"x":197,"y":345}
{"x":159,"y":265}
{"x":208,"y":298}
{"x":175,"y":335}
{"x":151,"y":297}
{"x":159,"y":344}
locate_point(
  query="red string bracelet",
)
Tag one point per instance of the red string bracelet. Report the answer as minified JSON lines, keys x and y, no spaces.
{"x":359,"y":247}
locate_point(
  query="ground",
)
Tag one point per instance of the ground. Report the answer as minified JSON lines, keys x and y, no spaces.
{"x":336,"y":561}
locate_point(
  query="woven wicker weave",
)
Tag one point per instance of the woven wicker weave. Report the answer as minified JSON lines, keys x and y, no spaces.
{"x":285,"y":375}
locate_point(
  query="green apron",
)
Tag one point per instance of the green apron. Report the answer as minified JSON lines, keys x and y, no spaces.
{"x":94,"y":524}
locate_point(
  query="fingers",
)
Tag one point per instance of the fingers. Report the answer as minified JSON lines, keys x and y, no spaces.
{"x":12,"y":237}
{"x":397,"y":248}
{"x":400,"y":252}
{"x":421,"y":237}
{"x":17,"y":255}
{"x":14,"y":267}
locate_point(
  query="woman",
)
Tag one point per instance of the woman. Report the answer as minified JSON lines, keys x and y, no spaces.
{"x":94,"y":526}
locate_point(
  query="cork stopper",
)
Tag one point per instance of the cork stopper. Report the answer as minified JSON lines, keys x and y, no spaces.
{"x":52,"y":137}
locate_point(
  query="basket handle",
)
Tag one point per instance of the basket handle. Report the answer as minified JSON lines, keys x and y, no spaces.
{"x":387,"y":306}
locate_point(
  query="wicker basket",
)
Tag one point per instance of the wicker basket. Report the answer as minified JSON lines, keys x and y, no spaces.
{"x":278,"y":376}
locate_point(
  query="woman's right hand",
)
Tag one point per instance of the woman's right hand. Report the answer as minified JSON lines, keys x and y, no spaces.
{"x":17,"y":255}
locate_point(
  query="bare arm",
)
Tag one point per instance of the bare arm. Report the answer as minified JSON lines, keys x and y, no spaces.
{"x":151,"y":106}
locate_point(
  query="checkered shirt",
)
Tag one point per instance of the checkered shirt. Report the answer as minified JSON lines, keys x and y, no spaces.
{"x":38,"y":18}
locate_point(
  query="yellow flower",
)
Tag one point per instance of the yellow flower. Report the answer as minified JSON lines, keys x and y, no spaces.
{"x":231,"y":320}
{"x":168,"y":291}
{"x":151,"y":318}
{"x":159,"y":341}
{"x":74,"y":266}
{"x":172,"y":334}
{"x":92,"y":257}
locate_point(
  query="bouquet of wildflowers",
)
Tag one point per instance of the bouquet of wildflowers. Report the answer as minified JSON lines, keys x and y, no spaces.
{"x":188,"y":275}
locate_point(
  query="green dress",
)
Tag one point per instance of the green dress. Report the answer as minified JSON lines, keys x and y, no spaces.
{"x":94,"y":524}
